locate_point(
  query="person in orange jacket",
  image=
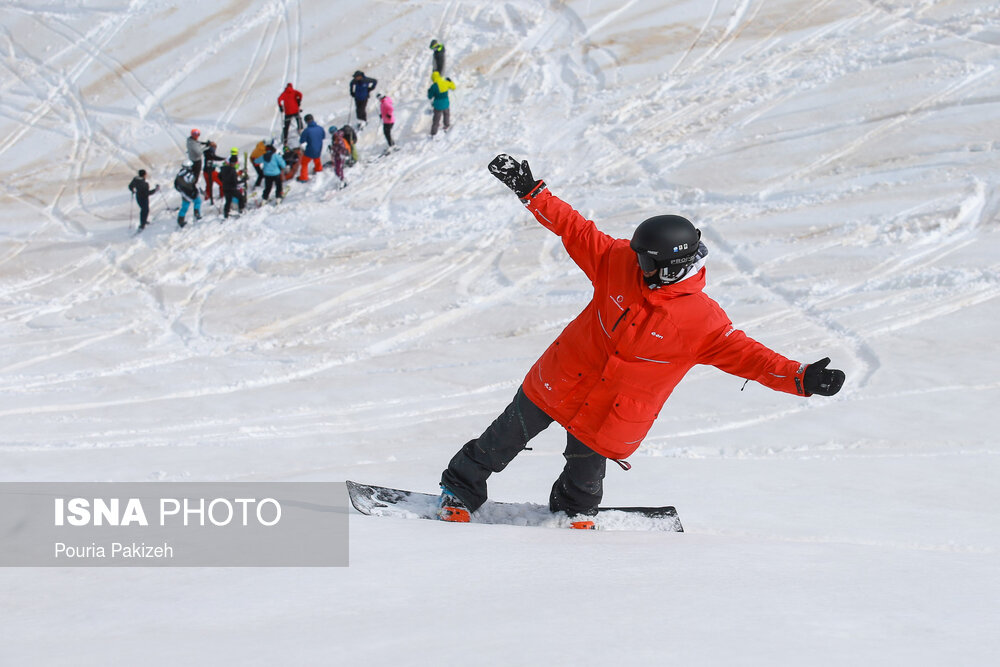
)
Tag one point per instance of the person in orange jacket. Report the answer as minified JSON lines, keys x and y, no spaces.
{"x":607,"y":375}
{"x":289,"y":102}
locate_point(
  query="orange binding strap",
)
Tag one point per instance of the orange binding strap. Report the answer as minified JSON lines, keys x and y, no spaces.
{"x":456,"y":514}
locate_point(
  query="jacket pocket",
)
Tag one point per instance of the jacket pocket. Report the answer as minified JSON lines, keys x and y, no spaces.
{"x":558,"y":375}
{"x":630,"y":419}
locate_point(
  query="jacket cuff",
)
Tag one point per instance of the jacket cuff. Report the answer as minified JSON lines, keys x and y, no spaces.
{"x":538,"y":188}
{"x":800,"y":381}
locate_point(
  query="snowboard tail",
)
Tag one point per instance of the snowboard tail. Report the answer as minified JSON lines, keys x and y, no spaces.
{"x":402,"y":504}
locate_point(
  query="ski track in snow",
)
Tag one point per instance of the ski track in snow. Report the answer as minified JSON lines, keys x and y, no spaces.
{"x":837,"y":157}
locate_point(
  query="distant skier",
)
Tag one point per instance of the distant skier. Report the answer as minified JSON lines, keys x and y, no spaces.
{"x":438,"y":95}
{"x":186,"y":183}
{"x":233,"y":185}
{"x":312,"y":148}
{"x":140,"y":188}
{"x":607,"y":375}
{"x":388,"y":117}
{"x":195,"y":149}
{"x":212,"y":160}
{"x":438,"y":49}
{"x":272,"y":165}
{"x":361,"y":88}
{"x":289,"y":102}
{"x":259,"y":150}
{"x":339,"y":152}
{"x":351,"y":137}
{"x":292,"y":156}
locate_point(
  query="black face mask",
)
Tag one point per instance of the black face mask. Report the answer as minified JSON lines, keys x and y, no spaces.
{"x":670,"y":273}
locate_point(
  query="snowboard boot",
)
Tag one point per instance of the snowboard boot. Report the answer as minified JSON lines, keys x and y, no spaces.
{"x":197,"y":215}
{"x":180,"y":221}
{"x":451,"y":507}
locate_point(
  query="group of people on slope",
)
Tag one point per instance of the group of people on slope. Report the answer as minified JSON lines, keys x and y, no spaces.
{"x":361,"y":87}
{"x":273,"y":166}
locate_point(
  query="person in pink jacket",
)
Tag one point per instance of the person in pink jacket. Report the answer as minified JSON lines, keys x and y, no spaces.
{"x":388,"y":118}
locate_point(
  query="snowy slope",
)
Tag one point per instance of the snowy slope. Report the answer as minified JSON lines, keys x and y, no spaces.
{"x":841,"y":160}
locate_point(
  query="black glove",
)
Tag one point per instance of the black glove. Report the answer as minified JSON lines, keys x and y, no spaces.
{"x":516,"y":176}
{"x":818,"y":379}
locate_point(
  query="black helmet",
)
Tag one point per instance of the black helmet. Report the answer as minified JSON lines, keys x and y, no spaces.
{"x":667,"y":244}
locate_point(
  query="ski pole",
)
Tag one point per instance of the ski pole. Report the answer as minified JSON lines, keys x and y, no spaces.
{"x":166,"y":204}
{"x":131,"y":200}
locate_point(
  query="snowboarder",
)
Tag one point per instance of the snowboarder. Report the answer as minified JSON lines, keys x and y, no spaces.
{"x":194,"y":151}
{"x":289,"y":102}
{"x":233,"y":185}
{"x":272,"y":165}
{"x":388,"y":117}
{"x":438,"y":49}
{"x":211,"y":158}
{"x":361,"y":87}
{"x":606,"y":377}
{"x":186,"y":183}
{"x":438,"y":94}
{"x":312,"y":148}
{"x":140,"y":188}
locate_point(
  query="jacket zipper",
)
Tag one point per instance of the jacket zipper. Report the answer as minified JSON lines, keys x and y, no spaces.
{"x":620,"y":318}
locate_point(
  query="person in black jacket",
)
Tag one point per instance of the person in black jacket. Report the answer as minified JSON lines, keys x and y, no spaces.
{"x":186,"y":183}
{"x":211,"y":159}
{"x":140,"y":189}
{"x":361,"y":88}
{"x":233,"y":186}
{"x":438,"y":49}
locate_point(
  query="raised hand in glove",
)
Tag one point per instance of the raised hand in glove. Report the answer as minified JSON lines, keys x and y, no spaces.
{"x":515,"y":175}
{"x":818,"y":379}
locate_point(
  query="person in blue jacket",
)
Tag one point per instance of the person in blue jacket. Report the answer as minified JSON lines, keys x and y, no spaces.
{"x":311,"y":141}
{"x":361,"y":88}
{"x":438,"y":95}
{"x":271,"y":165}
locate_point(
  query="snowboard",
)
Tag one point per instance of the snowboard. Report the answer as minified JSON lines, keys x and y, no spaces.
{"x":401,"y":504}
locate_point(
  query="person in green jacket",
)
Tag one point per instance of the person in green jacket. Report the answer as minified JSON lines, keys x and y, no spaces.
{"x":438,"y":94}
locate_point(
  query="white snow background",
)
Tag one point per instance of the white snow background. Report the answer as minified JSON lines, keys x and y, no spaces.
{"x":840,"y":157}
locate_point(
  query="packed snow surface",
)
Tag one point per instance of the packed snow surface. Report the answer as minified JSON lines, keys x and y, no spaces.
{"x":841,"y":159}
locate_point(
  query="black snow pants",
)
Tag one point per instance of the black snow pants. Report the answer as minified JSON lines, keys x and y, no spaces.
{"x":270,"y":181}
{"x":230,"y":195}
{"x":361,"y":109}
{"x":579,"y":488}
{"x":143,"y":203}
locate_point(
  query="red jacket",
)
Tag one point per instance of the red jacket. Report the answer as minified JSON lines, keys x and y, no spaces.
{"x":289,"y":100}
{"x":609,"y":372}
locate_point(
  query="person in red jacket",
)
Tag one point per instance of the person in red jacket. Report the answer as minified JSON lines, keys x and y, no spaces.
{"x":607,"y":375}
{"x":290,"y":102}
